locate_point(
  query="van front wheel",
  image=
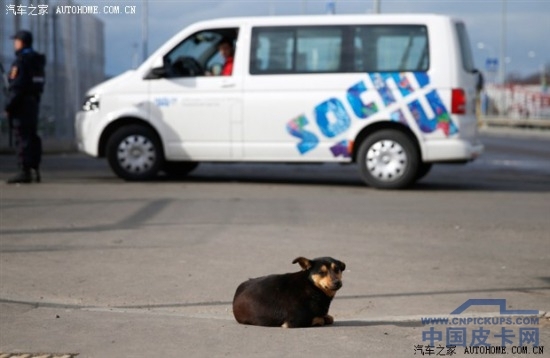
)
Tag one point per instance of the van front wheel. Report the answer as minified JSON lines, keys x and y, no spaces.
{"x":388,"y":159}
{"x":134,"y":153}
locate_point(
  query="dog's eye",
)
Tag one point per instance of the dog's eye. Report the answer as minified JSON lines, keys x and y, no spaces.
{"x":323,"y":270}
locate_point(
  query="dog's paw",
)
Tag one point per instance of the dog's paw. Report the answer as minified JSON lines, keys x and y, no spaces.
{"x":328,"y":319}
{"x":318,"y":321}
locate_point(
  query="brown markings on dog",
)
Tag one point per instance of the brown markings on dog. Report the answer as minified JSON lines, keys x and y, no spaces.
{"x":328,"y":280}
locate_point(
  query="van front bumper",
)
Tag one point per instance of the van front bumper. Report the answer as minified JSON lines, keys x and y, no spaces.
{"x":87,"y":137}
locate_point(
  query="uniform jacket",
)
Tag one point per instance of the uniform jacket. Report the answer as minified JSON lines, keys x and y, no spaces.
{"x":20,"y":80}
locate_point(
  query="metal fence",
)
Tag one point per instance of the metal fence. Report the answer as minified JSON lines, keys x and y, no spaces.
{"x":75,"y":50}
{"x":516,"y":101}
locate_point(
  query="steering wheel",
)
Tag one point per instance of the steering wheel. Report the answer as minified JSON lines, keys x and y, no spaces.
{"x":188,"y":67}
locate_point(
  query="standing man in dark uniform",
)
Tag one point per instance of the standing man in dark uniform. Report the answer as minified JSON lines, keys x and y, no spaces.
{"x":25,"y":88}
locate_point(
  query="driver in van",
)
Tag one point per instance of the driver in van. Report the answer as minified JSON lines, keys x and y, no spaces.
{"x":227,"y":50}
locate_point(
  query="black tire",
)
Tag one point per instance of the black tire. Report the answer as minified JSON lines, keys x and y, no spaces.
{"x":179,"y":169}
{"x":423,"y":170}
{"x":388,"y":159}
{"x":134,"y":153}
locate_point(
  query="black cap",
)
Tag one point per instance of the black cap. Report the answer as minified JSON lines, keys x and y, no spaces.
{"x":24,"y":36}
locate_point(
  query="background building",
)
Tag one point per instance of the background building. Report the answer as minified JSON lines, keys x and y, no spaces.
{"x":74,"y":46}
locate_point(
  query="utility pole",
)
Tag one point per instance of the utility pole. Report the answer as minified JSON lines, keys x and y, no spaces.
{"x":55,"y":87}
{"x":331,"y":7}
{"x":502,"y":68}
{"x":17,"y":19}
{"x":502,"y":72}
{"x":144,"y":29}
{"x":376,"y":6}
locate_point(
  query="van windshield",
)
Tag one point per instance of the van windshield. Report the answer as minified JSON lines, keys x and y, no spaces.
{"x":465,"y":48}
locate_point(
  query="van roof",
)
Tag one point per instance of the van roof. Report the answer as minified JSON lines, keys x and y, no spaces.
{"x":228,"y":22}
{"x":326,"y":19}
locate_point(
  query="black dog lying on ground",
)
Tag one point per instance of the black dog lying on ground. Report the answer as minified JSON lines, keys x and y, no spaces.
{"x":299,"y":299}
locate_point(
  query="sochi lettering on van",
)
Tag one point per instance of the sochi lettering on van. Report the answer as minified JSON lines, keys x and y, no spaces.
{"x":333,"y":120}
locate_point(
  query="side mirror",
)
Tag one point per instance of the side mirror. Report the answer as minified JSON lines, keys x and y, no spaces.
{"x":158,"y":70}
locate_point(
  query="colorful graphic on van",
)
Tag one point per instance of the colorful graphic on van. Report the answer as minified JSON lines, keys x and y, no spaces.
{"x":342,"y":148}
{"x":403,"y":84}
{"x":442,"y":120}
{"x":413,"y":104}
{"x":380,"y":82}
{"x":398,"y":116}
{"x":331,"y":127}
{"x":422,"y":79}
{"x":296,"y":128}
{"x":360,"y":109}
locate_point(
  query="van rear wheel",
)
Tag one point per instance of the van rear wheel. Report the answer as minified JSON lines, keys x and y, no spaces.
{"x":134,"y":153}
{"x":388,"y":159}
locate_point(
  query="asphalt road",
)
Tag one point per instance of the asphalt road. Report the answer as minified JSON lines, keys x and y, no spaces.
{"x":513,"y":160}
{"x":92,"y":265}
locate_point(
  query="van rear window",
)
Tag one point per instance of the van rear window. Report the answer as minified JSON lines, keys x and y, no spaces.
{"x":338,"y":49}
{"x":465,"y":48}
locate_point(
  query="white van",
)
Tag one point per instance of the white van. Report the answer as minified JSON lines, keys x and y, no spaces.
{"x":392,"y":93}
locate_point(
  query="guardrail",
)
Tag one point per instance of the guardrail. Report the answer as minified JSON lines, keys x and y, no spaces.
{"x":515,"y":122}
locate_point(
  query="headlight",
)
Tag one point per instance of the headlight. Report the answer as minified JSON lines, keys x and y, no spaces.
{"x":91,"y":103}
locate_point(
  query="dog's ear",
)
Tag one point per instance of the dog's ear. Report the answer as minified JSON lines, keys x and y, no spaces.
{"x":342,"y":266}
{"x":304,"y":263}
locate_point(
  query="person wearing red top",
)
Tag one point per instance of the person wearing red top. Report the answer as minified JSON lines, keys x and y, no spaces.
{"x":228,"y":52}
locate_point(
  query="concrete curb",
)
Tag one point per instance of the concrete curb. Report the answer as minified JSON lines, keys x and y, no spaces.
{"x":513,"y":122}
{"x":515,"y":132}
{"x":404,"y":320}
{"x":411,"y":321}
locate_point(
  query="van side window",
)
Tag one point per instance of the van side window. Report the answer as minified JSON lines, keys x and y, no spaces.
{"x":318,"y":50}
{"x":306,"y":49}
{"x":198,"y":55}
{"x":330,"y":49}
{"x":273,"y":51}
{"x":391,"y":48}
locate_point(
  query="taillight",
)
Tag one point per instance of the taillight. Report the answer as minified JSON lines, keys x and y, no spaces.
{"x":458,"y":101}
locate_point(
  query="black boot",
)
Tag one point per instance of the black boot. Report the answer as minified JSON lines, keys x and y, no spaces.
{"x":23,"y":176}
{"x":37,"y":174}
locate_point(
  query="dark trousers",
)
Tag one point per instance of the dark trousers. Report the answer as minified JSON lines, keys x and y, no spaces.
{"x":28,"y":144}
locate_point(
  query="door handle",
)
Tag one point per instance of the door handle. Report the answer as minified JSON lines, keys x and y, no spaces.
{"x":228,"y":84}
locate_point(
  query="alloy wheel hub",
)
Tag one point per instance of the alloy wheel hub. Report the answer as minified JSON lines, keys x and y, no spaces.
{"x":386,"y":160}
{"x":136,"y":154}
